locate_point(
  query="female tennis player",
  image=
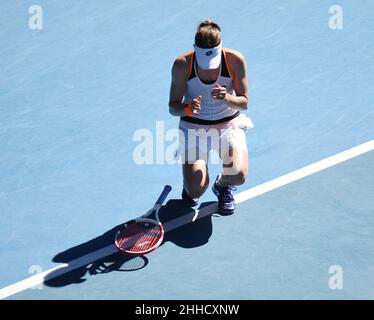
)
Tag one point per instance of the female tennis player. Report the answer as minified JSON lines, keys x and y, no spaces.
{"x":209,"y":90}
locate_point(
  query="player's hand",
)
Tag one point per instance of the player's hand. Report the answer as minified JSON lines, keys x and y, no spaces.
{"x":196,"y":105}
{"x":219,"y":92}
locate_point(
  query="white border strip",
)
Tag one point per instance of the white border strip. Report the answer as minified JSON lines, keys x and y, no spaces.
{"x":306,"y":171}
{"x":192,"y":216}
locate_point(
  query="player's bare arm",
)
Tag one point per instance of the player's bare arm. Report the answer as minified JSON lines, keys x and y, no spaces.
{"x":179,"y":76}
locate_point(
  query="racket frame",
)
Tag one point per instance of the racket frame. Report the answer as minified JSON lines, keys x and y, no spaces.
{"x":145,"y":218}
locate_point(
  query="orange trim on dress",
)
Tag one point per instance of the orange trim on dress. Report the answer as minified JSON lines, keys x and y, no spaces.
{"x":190,"y":67}
{"x":228,"y":66}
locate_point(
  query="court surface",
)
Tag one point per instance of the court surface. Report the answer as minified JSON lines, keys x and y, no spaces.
{"x":73,"y":94}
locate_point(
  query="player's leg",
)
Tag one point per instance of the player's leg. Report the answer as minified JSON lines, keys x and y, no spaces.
{"x":195,"y":181}
{"x":194,"y":155}
{"x":235,"y":169}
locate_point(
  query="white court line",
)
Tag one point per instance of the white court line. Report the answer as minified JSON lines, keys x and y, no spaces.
{"x":202,"y":212}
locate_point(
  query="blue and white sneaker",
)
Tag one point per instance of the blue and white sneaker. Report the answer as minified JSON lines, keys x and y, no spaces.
{"x":226,"y":201}
{"x":188,"y":201}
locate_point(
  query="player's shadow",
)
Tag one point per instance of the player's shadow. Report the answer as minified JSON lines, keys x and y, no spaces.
{"x":179,"y":232}
{"x":189,"y":235}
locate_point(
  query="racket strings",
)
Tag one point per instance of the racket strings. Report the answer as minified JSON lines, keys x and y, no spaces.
{"x":139,"y":237}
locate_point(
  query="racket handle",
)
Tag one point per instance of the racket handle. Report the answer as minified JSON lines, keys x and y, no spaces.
{"x":163,"y":195}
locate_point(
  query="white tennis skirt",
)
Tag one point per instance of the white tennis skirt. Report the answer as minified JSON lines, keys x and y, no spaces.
{"x":196,"y":141}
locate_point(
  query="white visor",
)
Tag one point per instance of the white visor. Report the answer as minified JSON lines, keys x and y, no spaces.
{"x":208,"y":58}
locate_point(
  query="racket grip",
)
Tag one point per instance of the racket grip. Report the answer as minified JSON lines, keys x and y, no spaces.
{"x":163,"y":195}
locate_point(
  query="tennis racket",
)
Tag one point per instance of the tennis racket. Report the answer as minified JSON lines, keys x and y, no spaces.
{"x":144,"y":234}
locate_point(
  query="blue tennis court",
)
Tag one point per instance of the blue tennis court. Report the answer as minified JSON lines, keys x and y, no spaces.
{"x":72,"y":97}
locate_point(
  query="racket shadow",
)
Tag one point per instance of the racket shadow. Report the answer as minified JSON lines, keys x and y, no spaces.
{"x":112,"y":262}
{"x":185,"y":235}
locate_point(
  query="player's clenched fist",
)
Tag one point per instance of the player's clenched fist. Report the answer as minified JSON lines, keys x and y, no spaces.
{"x":219,"y":92}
